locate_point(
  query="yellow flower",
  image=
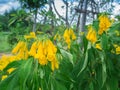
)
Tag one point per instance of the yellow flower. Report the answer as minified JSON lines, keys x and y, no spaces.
{"x":72,"y":34}
{"x":104,"y":24}
{"x":40,"y":55}
{"x":4,"y":76}
{"x":33,"y":49}
{"x":10,"y":70}
{"x":43,"y":60}
{"x":91,"y":35}
{"x":4,"y":62}
{"x":18,"y":46}
{"x":117,"y":49}
{"x":32,"y":35}
{"x":54,"y":65}
{"x":46,"y":51}
{"x":69,"y":35}
{"x":98,"y":46}
{"x":23,"y":52}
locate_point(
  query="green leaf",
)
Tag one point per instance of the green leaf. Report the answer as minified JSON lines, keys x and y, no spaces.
{"x":18,"y":77}
{"x":56,"y":85}
{"x":85,"y":43}
{"x":104,"y":42}
{"x":104,"y":73}
{"x":86,"y":58}
{"x":13,"y":64}
{"x":67,"y":55}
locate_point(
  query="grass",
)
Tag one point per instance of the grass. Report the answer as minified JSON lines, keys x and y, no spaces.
{"x":4,"y":45}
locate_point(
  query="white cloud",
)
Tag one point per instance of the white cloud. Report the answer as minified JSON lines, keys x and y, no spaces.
{"x":116,"y":10}
{"x":8,"y":6}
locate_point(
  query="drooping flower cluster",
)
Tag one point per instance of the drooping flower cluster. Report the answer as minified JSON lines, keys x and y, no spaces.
{"x":45,"y":51}
{"x":104,"y":24}
{"x":42,"y":50}
{"x":69,"y":35}
{"x":5,"y":60}
{"x":91,"y":35}
{"x":18,"y":53}
{"x":21,"y":50}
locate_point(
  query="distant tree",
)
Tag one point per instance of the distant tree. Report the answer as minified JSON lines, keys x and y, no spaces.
{"x":33,"y":6}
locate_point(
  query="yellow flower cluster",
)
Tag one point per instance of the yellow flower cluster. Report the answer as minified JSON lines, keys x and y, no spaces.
{"x":91,"y":35}
{"x":20,"y":51}
{"x":32,"y":35}
{"x":68,"y":36}
{"x":45,"y":51}
{"x":117,"y":47}
{"x":104,"y":24}
{"x":5,"y":60}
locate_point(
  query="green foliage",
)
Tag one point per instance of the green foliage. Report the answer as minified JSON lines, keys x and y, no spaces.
{"x":33,"y":3}
{"x":4,"y":45}
{"x":82,"y":67}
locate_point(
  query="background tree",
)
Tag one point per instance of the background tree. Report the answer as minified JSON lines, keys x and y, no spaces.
{"x":33,"y":6}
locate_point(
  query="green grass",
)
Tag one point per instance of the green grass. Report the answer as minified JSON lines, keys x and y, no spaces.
{"x":4,"y":45}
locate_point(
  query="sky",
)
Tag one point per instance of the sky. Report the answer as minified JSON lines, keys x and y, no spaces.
{"x":6,"y":5}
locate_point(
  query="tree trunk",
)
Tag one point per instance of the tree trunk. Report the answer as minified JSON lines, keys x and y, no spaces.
{"x":78,"y":23}
{"x":67,"y":23}
{"x":51,"y":10}
{"x":35,"y":18}
{"x":83,"y":16}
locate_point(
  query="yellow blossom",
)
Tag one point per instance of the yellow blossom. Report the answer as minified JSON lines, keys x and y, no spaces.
{"x":10,"y":70}
{"x":54,"y":65}
{"x":69,"y":35}
{"x":40,"y":55}
{"x":33,"y":49}
{"x":32,"y":35}
{"x":4,"y":62}
{"x":18,"y":46}
{"x":23,"y":52}
{"x":91,"y":35}
{"x":4,"y":76}
{"x":117,"y":49}
{"x":104,"y":24}
{"x":98,"y":46}
{"x":43,"y":60}
{"x":72,"y":34}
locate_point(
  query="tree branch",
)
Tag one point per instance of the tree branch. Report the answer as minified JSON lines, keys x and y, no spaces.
{"x":85,"y":11}
{"x":57,"y":11}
